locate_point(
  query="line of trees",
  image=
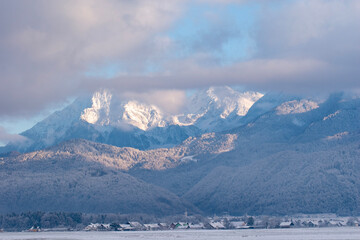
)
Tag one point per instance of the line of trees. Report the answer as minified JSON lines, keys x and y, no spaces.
{"x":23,"y":221}
{"x":77,"y":221}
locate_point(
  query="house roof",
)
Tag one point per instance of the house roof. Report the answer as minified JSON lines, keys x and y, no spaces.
{"x":197,"y":226}
{"x":152,"y":225}
{"x":216,"y":225}
{"x":135,"y":224}
{"x":285,"y":224}
{"x":126,"y":226}
{"x":238,"y":224}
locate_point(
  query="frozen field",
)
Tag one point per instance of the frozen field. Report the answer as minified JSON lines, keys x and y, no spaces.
{"x":270,"y":234}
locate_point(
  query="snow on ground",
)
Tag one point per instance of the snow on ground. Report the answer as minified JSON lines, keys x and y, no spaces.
{"x":249,"y":234}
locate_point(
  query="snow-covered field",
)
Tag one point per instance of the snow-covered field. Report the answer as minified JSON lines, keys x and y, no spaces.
{"x":268,"y":234}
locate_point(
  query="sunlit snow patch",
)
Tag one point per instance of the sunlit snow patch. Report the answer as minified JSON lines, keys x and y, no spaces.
{"x":296,"y":106}
{"x":331,"y":115}
{"x":100,"y":109}
{"x":188,"y":159}
{"x":337,"y":136}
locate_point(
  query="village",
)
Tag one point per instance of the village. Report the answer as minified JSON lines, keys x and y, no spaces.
{"x":233,"y":222}
{"x":63,"y":222}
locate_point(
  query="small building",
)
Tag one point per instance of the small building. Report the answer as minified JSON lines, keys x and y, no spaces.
{"x":181,"y":225}
{"x":312,"y":223}
{"x":35,"y":229}
{"x":152,"y":226}
{"x":163,"y":226}
{"x":90,"y":227}
{"x":97,"y":227}
{"x":286,"y":224}
{"x":126,"y":227}
{"x":196,"y":226}
{"x":334,"y":223}
{"x":239,"y":225}
{"x":215,"y":225}
{"x":136,"y":225}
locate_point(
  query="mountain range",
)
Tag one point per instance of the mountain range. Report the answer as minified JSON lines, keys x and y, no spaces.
{"x":107,"y":118}
{"x":229,"y":151}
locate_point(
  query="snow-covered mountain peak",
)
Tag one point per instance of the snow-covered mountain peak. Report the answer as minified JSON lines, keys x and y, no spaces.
{"x":99,"y":112}
{"x":219,"y":93}
{"x":142,"y":116}
{"x":205,"y":109}
{"x":214,"y":103}
{"x":109,"y":110}
{"x":229,"y":100}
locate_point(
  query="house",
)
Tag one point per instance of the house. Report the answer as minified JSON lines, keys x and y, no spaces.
{"x":313,"y":223}
{"x":163,"y":226}
{"x":126,"y":227}
{"x":182,"y":225}
{"x":239,"y":225}
{"x":97,"y":227}
{"x":179,"y":225}
{"x":286,"y":224}
{"x":136,"y":225}
{"x":334,"y":223}
{"x":35,"y":229}
{"x":152,"y":226}
{"x":215,"y":225}
{"x":196,"y":226}
{"x":91,"y":227}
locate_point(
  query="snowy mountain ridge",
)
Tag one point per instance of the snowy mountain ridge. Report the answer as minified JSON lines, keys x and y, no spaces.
{"x":107,"y":118}
{"x":215,"y":102}
{"x":107,"y":110}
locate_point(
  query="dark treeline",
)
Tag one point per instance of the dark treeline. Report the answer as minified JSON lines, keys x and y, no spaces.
{"x":77,"y":221}
{"x":23,"y":221}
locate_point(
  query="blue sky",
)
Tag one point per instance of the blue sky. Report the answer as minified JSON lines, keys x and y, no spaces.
{"x":201,"y":21}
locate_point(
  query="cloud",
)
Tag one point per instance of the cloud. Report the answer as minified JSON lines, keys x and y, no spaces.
{"x":46,"y":47}
{"x":170,"y":101}
{"x":222,"y":1}
{"x":319,"y":30}
{"x":300,"y":46}
{"x":310,"y":27}
{"x":7,"y":137}
{"x":258,"y":74}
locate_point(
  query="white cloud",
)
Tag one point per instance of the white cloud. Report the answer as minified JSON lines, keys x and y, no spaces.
{"x":6,"y":137}
{"x":310,"y":27}
{"x":170,"y":101}
{"x":46,"y":46}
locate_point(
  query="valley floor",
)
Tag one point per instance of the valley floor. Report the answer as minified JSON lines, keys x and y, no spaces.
{"x":249,"y":234}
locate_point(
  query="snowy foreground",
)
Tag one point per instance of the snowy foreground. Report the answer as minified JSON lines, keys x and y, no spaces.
{"x":271,"y":234}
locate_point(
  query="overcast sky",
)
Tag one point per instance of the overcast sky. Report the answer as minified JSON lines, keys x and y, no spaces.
{"x":52,"y":51}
